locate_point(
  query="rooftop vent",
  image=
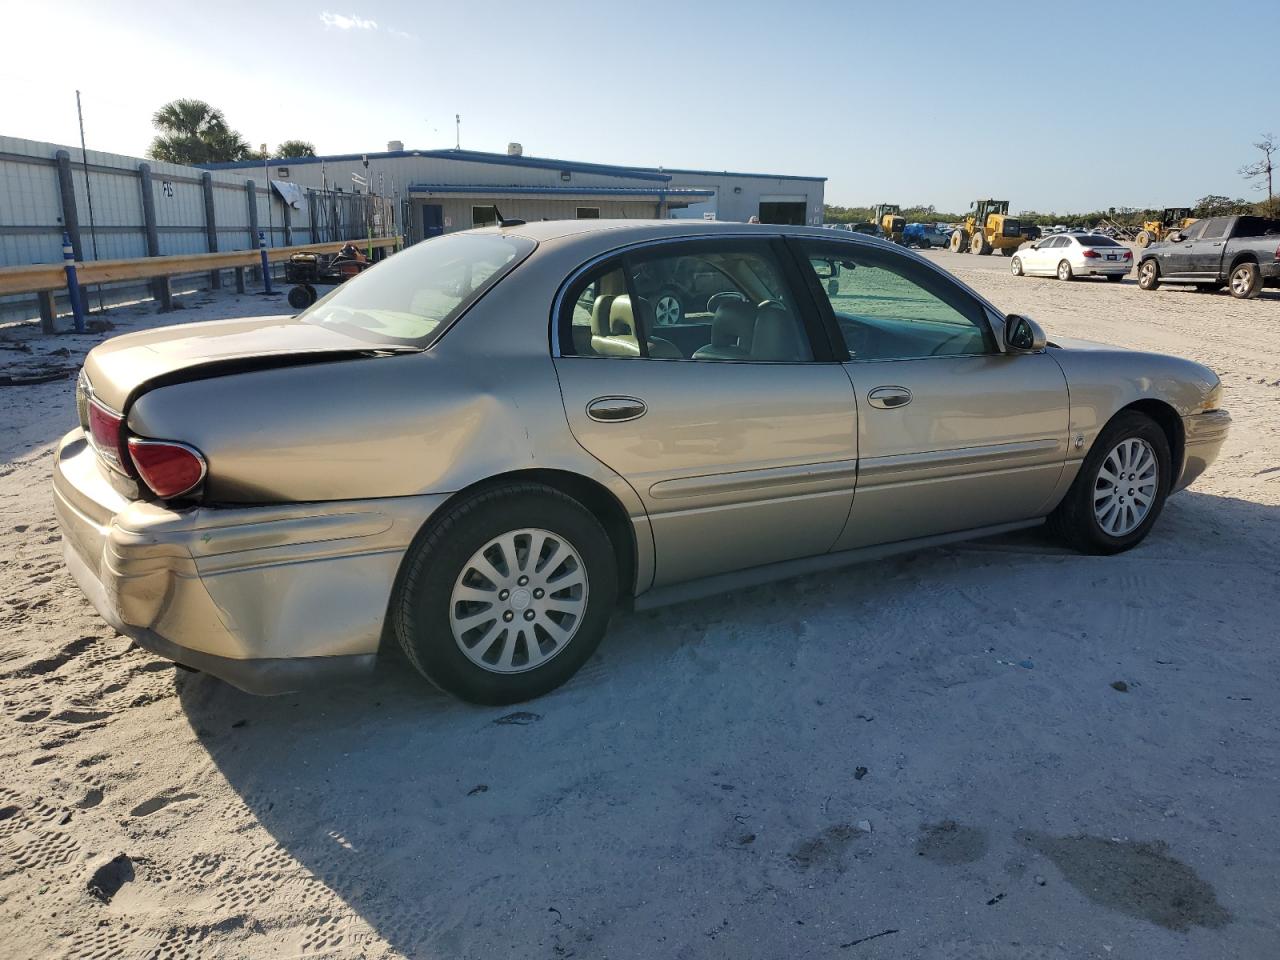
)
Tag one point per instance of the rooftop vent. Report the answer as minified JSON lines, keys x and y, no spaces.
{"x":395,"y":145}
{"x":515,"y":150}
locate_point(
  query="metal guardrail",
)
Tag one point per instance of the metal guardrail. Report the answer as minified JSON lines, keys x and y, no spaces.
{"x":45,"y":277}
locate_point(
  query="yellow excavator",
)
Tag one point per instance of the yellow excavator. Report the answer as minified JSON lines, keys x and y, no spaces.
{"x":891,"y":222}
{"x":988,"y":227}
{"x":1171,"y":219}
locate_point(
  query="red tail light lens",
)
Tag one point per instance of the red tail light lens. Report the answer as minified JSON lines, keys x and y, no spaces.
{"x":1278,"y":253}
{"x":169,"y":468}
{"x":1092,"y":254}
{"x":105,"y":434}
{"x":1128,"y":254}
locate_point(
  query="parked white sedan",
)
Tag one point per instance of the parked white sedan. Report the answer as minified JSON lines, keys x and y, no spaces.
{"x":1070,"y":255}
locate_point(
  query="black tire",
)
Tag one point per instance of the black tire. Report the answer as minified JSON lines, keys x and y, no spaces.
{"x":1149,"y":275}
{"x":1064,"y":271}
{"x":1016,"y":267}
{"x":1144,"y":239}
{"x":421,"y":606}
{"x":1074,"y":520}
{"x":1245,"y":282}
{"x":959,"y":241}
{"x":1115,"y":277}
{"x":299,"y":298}
{"x":978,"y":244}
{"x":1008,"y":251}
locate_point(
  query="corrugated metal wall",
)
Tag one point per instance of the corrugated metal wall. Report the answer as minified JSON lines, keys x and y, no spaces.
{"x":32,"y":217}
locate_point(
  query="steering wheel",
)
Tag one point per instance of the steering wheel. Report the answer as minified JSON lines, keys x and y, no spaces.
{"x":714,"y":301}
{"x":771,"y":303}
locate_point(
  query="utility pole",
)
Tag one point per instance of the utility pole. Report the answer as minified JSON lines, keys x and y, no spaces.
{"x":266,"y":176}
{"x":457,"y":126}
{"x":88,"y":191}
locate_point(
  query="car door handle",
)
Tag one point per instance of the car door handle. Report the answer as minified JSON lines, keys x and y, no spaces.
{"x":616,"y":409}
{"x":887,"y":398}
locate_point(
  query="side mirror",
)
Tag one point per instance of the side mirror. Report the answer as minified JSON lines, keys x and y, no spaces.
{"x":1023,"y":335}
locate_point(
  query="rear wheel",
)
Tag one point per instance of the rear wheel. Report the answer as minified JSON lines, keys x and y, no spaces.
{"x":978,"y":244}
{"x":1144,"y":239}
{"x":1148,"y":275}
{"x":299,"y":298}
{"x":1008,"y":251}
{"x":1064,"y":270}
{"x":1246,"y":281}
{"x":506,"y":596}
{"x":1120,"y":489}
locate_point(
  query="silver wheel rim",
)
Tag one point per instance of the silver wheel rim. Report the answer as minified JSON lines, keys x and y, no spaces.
{"x":1240,"y":282}
{"x":667,"y":310}
{"x":519,"y":601}
{"x":1148,"y":272}
{"x":1016,"y":267}
{"x":1063,"y":271}
{"x":1125,"y":487}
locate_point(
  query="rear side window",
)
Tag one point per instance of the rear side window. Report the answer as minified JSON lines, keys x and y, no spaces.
{"x":1216,"y":228}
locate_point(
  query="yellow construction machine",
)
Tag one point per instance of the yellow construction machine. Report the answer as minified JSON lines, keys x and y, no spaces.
{"x":988,"y":227}
{"x":1171,"y":219}
{"x":890,"y":220}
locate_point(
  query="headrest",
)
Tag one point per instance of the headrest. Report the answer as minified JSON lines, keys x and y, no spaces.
{"x":776,"y":337}
{"x":600,"y":314}
{"x":622,"y":321}
{"x":732,"y":324}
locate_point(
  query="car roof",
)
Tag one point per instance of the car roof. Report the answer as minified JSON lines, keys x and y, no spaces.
{"x":627,"y":231}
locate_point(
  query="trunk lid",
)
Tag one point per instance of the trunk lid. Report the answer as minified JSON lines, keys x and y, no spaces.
{"x":118,"y":369}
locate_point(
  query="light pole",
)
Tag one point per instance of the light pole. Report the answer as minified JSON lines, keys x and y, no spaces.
{"x":266,"y":177}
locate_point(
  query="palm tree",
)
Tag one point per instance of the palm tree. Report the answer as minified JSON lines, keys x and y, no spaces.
{"x":191,"y":131}
{"x":295,"y":148}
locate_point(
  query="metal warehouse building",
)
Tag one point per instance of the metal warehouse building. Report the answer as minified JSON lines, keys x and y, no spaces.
{"x":439,"y":191}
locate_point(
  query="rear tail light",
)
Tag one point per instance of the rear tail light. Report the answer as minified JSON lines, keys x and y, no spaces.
{"x":106,"y":434}
{"x":1278,"y":253}
{"x":1128,"y":254}
{"x":169,"y":468}
{"x":1092,"y":254}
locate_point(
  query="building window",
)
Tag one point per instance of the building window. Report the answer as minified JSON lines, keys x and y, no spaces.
{"x":484,"y":216}
{"x":588,"y":213}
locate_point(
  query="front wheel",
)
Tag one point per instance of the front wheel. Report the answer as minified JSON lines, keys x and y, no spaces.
{"x":1064,"y":270}
{"x":1120,"y":489}
{"x":506,"y":595}
{"x":1246,"y":281}
{"x":667,"y":308}
{"x":1015,"y":267}
{"x":1148,"y":275}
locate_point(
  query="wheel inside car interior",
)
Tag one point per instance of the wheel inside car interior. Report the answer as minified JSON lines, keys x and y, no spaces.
{"x":506,"y":595}
{"x":1120,"y":489}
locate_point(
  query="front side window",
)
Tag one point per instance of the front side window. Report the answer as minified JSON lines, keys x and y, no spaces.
{"x":412,"y":297}
{"x":1216,"y":228}
{"x":888,"y":307}
{"x":1193,"y":232}
{"x":723,"y":301}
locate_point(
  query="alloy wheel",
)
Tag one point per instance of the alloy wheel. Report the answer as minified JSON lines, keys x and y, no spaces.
{"x":1126,"y":487}
{"x":667,"y":310}
{"x":518,"y":601}
{"x":1241,"y":281}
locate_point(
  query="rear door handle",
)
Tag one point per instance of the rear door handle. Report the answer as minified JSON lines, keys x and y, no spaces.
{"x":887,"y":398}
{"x":616,"y":409}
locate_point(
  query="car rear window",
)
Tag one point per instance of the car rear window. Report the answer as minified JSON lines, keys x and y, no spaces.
{"x":1097,"y":240}
{"x":411,"y":298}
{"x":1257,"y":227}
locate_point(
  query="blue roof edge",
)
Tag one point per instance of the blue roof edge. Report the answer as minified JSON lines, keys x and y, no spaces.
{"x":502,"y":159}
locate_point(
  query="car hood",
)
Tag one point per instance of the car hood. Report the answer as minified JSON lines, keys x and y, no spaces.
{"x":1074,"y":343}
{"x":120,"y":368}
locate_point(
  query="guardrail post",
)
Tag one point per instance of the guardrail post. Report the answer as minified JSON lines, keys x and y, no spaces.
{"x":66,"y":188}
{"x":239,"y":279}
{"x":251,"y":192}
{"x":161,"y":288}
{"x":211,"y":227}
{"x":266,"y":266}
{"x":73,"y":283}
{"x":48,"y":311}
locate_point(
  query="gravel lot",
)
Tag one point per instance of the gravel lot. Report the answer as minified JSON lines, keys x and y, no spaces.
{"x":996,"y":751}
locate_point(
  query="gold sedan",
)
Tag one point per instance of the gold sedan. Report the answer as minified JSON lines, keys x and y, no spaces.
{"x":479,"y":448}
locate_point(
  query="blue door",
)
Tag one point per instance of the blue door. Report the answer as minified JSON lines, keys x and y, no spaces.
{"x":432,"y":220}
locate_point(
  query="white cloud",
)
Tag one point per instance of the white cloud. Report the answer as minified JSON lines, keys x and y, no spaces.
{"x":352,"y":22}
{"x":402,"y":34}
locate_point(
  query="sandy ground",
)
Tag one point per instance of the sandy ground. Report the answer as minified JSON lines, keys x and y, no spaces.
{"x":921,"y":758}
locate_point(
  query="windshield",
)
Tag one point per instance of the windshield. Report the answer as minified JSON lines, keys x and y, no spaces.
{"x":1097,"y":240}
{"x":412,"y":298}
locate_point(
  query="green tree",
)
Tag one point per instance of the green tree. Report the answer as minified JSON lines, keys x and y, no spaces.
{"x":191,"y":131}
{"x":295,"y":148}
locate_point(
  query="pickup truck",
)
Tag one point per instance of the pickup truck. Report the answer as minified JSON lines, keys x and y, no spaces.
{"x":1240,"y":253}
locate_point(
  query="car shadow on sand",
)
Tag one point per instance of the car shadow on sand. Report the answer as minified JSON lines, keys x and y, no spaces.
{"x":697,"y":778}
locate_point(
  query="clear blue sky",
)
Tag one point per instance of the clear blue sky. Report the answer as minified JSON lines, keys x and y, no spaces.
{"x":1053,"y":105}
